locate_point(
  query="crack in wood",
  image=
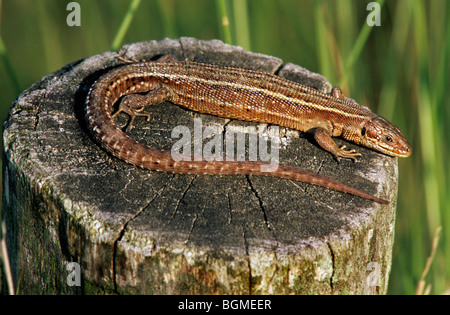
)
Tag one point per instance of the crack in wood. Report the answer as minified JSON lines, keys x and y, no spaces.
{"x":123,"y":229}
{"x":181,"y":199}
{"x":332,"y":266}
{"x":249,"y":265}
{"x":261,"y":205}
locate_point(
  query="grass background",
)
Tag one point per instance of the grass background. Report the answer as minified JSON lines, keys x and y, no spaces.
{"x":399,"y":69}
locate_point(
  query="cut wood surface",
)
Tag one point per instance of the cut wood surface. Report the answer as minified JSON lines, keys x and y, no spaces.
{"x":138,"y":231}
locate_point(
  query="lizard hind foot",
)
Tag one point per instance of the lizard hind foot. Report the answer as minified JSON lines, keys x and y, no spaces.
{"x":121,"y":55}
{"x":168,"y":58}
{"x":133,"y":105}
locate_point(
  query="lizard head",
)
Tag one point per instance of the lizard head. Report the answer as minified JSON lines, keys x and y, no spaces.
{"x":380,"y":135}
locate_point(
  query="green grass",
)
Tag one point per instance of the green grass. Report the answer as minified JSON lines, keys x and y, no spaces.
{"x":124,"y":27}
{"x":399,"y":69}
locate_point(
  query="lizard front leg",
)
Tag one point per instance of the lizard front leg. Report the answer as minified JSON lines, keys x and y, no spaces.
{"x":324,"y":140}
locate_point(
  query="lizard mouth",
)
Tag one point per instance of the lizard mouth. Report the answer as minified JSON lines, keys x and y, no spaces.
{"x":385,"y":137}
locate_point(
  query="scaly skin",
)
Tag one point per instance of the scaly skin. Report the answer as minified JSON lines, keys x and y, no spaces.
{"x":237,"y":94}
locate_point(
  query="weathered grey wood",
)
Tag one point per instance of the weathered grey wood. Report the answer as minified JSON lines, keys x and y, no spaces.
{"x":137,"y":231}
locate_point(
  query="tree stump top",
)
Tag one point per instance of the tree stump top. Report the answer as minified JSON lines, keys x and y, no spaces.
{"x":141,"y":231}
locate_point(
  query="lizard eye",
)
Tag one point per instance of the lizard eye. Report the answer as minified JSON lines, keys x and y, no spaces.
{"x":363,"y":131}
{"x":387,"y":139}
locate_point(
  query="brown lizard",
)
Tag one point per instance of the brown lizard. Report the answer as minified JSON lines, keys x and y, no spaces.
{"x":237,"y":94}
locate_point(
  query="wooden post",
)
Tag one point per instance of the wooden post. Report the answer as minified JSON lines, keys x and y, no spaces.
{"x":74,"y":213}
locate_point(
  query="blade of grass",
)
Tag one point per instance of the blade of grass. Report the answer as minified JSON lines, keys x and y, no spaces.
{"x":396,"y":50}
{"x":5,"y":259}
{"x":430,"y":120}
{"x":438,"y":83}
{"x":169,"y":26}
{"x":242,"y":33}
{"x":357,"y":48}
{"x":118,"y":39}
{"x":9,"y":67}
{"x":342,"y":39}
{"x":224,"y":21}
{"x":421,"y":289}
{"x":324,"y":58}
{"x":427,"y":118}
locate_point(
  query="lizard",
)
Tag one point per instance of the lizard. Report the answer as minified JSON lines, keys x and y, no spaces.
{"x":240,"y":94}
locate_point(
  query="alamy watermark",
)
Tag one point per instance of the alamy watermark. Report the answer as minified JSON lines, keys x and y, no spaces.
{"x":74,"y":276}
{"x":373,"y":277}
{"x":74,"y":17}
{"x":374,"y":17}
{"x":211,"y":143}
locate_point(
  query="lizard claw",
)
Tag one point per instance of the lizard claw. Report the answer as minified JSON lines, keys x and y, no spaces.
{"x":342,"y":152}
{"x":132,"y":111}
